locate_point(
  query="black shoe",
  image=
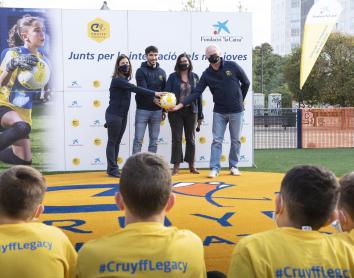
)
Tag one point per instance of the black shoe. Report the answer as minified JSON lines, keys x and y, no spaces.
{"x":114,"y":175}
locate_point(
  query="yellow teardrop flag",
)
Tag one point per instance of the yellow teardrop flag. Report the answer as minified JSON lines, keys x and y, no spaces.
{"x":320,"y":21}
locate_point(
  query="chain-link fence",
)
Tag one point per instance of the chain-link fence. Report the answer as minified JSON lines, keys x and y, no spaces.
{"x":306,"y":128}
{"x":327,"y":128}
{"x":275,"y":128}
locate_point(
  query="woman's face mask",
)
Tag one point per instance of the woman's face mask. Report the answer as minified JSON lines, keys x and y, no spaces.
{"x":124,"y":68}
{"x":183,"y":66}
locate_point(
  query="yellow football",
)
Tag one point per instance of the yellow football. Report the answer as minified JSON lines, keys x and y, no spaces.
{"x":168,"y":101}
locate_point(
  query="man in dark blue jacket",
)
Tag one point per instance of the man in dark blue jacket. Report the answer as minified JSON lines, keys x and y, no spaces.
{"x":152,"y":77}
{"x":228,"y":84}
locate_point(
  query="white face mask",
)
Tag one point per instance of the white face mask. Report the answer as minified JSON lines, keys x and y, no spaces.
{"x":41,"y":207}
{"x":336,"y":224}
{"x":274,"y":215}
{"x":274,"y":218}
{"x":304,"y":228}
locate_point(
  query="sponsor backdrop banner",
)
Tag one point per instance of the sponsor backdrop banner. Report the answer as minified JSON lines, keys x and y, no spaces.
{"x":74,"y":134}
{"x":91,"y":42}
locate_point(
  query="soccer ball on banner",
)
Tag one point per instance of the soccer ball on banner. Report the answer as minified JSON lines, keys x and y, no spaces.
{"x":168,"y":101}
{"x":36,"y":78}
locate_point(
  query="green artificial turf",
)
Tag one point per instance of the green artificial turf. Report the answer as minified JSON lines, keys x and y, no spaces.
{"x":340,"y":160}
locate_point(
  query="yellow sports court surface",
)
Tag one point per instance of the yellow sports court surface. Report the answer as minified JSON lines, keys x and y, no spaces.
{"x":221,"y":211}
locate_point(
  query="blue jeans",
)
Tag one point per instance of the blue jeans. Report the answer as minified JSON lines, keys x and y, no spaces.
{"x":142,"y":119}
{"x":220,"y":122}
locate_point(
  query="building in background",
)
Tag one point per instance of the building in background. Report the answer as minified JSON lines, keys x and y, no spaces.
{"x":346,"y":20}
{"x":288,"y":20}
{"x":305,"y":7}
{"x":285,"y":25}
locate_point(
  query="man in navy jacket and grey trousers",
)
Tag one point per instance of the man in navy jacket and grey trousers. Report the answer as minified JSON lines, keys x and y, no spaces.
{"x":149,"y":76}
{"x":228,"y":84}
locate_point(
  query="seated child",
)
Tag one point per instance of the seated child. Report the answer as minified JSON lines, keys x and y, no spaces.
{"x":30,"y":249}
{"x":145,"y":247}
{"x":307,"y":202}
{"x":346,"y":208}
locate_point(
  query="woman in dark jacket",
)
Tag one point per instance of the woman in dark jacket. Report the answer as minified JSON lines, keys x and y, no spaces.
{"x":117,"y":111}
{"x":181,"y":83}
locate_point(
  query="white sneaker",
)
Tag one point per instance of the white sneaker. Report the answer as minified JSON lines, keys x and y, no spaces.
{"x":213,"y":173}
{"x":235,"y":172}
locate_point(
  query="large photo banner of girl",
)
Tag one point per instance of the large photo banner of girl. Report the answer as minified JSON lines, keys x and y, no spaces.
{"x":26,"y":73}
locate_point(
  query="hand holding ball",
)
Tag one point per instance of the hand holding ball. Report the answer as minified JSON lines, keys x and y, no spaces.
{"x":168,"y":101}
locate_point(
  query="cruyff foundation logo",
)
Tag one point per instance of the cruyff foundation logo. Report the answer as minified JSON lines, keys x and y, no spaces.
{"x":98,"y":30}
{"x":221,"y":33}
{"x":210,"y":191}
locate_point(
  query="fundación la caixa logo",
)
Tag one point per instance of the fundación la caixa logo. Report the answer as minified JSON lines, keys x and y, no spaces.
{"x":221,"y":26}
{"x":221,"y":33}
{"x":98,"y":30}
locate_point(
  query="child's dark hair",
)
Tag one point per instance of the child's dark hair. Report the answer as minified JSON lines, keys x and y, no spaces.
{"x":310,"y":194}
{"x":145,"y":184}
{"x":22,"y":189}
{"x":346,"y":196}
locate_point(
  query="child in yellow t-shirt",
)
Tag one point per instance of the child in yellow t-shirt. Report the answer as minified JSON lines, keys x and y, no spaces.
{"x":346,"y":208}
{"x":307,"y":201}
{"x":145,"y":248}
{"x":29,"y":249}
